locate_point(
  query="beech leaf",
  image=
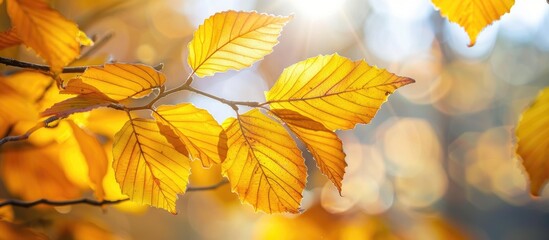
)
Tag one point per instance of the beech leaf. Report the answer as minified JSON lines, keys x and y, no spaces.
{"x":264,"y":165}
{"x":334,"y":90}
{"x":324,"y":145}
{"x":147,"y":167}
{"x":80,"y":103}
{"x":473,"y":15}
{"x":117,"y":81}
{"x":232,"y":41}
{"x":533,"y":142}
{"x":196,"y":129}
{"x":45,"y":30}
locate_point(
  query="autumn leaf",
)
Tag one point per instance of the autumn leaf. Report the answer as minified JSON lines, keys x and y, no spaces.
{"x":12,"y":231}
{"x":196,"y":129}
{"x":80,"y":103}
{"x":473,"y":15}
{"x":117,"y":81}
{"x":264,"y":165}
{"x":148,"y":169}
{"x":324,"y":145}
{"x":232,"y":41}
{"x":9,"y":39}
{"x":533,"y":142}
{"x":334,"y":90}
{"x":95,"y":157}
{"x":45,"y":30}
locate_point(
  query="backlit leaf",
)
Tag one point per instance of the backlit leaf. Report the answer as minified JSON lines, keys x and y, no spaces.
{"x":95,"y":156}
{"x":8,"y":39}
{"x":45,"y":30}
{"x":264,"y":165}
{"x":148,"y":169}
{"x":473,"y":15}
{"x":334,"y":90}
{"x":118,"y":81}
{"x":232,"y":41}
{"x":323,"y":144}
{"x":80,"y":103}
{"x":197,"y":130}
{"x":533,"y":142}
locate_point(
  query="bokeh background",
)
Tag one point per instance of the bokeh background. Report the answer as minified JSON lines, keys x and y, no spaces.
{"x":437,"y":162}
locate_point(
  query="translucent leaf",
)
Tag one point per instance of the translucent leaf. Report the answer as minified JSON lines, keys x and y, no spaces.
{"x":148,"y":169}
{"x":533,"y":142}
{"x":263,"y":163}
{"x":324,"y":145}
{"x":196,"y":129}
{"x":473,"y":15}
{"x":334,"y":90}
{"x":40,"y":27}
{"x":233,"y":41}
{"x":81,"y":103}
{"x":8,"y":39}
{"x":118,"y":81}
{"x":95,"y":157}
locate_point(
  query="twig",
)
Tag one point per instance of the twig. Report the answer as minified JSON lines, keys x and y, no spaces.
{"x":27,"y":134}
{"x":28,"y":204}
{"x":45,"y":68}
{"x":97,"y":45}
{"x":232,"y":104}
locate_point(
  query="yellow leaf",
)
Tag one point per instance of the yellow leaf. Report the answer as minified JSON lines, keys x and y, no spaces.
{"x":533,"y":141}
{"x":334,"y":90}
{"x":263,"y":163}
{"x":95,"y":157}
{"x":232,"y":41}
{"x":196,"y":129}
{"x":324,"y":145}
{"x":45,"y":30}
{"x":148,"y":169}
{"x":118,"y":81}
{"x":473,"y":15}
{"x":8,"y":39}
{"x":80,"y":103}
{"x":35,"y":172}
{"x":29,"y":84}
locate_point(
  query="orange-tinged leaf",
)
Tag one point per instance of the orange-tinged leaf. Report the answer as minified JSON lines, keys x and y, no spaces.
{"x":9,"y":39}
{"x":12,"y":231}
{"x":95,"y":156}
{"x":80,"y":103}
{"x":324,"y":145}
{"x":197,"y":130}
{"x":232,"y":41}
{"x":334,"y":90}
{"x":45,"y":30}
{"x":147,"y":167}
{"x":117,"y":81}
{"x":264,"y":165}
{"x":533,"y":142}
{"x":473,"y":15}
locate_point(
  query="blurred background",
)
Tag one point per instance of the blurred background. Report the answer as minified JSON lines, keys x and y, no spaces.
{"x":437,"y":162}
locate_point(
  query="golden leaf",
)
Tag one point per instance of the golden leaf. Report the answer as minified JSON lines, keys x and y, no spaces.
{"x":95,"y":157}
{"x":9,"y":39}
{"x":232,"y":41}
{"x":80,"y":103}
{"x":148,"y":169}
{"x":324,"y":145}
{"x":263,"y":163}
{"x":334,"y":90}
{"x":196,"y":129}
{"x":533,"y":142}
{"x":473,"y":15}
{"x":118,"y":81}
{"x":45,"y":30}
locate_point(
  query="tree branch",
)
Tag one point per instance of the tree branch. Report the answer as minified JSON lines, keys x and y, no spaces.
{"x":45,"y":68}
{"x":28,"y":204}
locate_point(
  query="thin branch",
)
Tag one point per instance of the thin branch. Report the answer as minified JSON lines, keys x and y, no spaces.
{"x":29,"y":132}
{"x":232,"y":104}
{"x":45,"y":68}
{"x":28,"y":204}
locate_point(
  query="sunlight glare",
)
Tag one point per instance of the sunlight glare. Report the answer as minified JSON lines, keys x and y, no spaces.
{"x":315,"y":9}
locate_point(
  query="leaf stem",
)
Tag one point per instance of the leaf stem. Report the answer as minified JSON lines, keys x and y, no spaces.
{"x":28,"y":204}
{"x":46,"y":68}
